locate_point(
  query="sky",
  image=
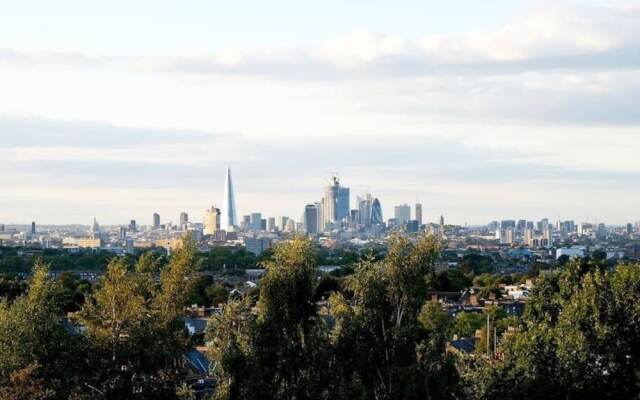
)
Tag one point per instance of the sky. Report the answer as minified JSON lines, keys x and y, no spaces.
{"x":479,"y":110}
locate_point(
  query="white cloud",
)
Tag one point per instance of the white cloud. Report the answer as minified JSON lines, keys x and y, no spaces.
{"x":529,"y":116}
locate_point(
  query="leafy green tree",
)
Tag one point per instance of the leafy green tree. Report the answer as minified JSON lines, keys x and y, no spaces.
{"x":38,"y":357}
{"x":216,"y":294}
{"x":476,"y":263}
{"x":283,"y":351}
{"x":578,"y":339}
{"x":466,"y":323}
{"x":135,"y":329}
{"x":383,"y":350}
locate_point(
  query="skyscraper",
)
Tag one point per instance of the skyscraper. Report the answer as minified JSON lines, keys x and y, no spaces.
{"x":343,"y":206}
{"x":255,"y":221}
{"x":330,"y":203}
{"x":33,"y":227}
{"x":419,"y":213}
{"x":184,"y":219}
{"x":335,"y":204}
{"x":211,"y":222}
{"x":282,"y":223}
{"x":364,"y":209}
{"x":156,"y":220}
{"x":229,"y":218}
{"x":376,"y":213}
{"x":311,"y":218}
{"x":402,"y":213}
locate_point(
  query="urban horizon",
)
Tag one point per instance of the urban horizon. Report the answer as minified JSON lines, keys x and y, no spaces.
{"x":388,"y":212}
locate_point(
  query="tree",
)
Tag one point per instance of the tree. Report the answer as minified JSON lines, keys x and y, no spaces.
{"x":383,"y":349}
{"x":283,"y":351}
{"x":38,"y":357}
{"x":466,"y":323}
{"x":216,"y":294}
{"x":135,"y":328}
{"x":578,"y":339}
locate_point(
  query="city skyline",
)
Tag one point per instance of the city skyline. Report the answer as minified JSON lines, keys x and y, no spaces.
{"x":402,"y":212}
{"x":503,"y":110}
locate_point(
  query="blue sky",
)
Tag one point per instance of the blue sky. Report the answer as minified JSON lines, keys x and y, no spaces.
{"x":480,"y":110}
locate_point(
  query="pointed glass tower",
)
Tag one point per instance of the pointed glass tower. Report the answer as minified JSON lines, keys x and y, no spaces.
{"x":229,"y":218}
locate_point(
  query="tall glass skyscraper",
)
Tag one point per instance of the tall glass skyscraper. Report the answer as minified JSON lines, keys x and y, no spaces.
{"x":229,"y":218}
{"x":311,"y":218}
{"x":343,"y":204}
{"x":335,"y":203}
{"x":376,"y":213}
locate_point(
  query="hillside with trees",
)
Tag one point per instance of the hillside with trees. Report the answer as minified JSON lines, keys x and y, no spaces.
{"x":374,"y":334}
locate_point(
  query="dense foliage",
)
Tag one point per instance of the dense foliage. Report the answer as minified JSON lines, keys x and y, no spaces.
{"x":579,"y":338}
{"x":127,"y":338}
{"x":374,"y":334}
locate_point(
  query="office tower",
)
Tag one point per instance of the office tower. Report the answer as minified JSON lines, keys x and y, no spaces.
{"x":543,"y":224}
{"x":330,"y":203}
{"x":211,"y":223}
{"x":156,"y":220}
{"x":132,"y":226}
{"x":282,"y":223}
{"x":184,"y":219}
{"x":255,"y":221}
{"x":507,"y":223}
{"x":354,"y":218}
{"x":33,"y":227}
{"x":246,"y":222}
{"x":229,"y":218}
{"x":319,"y":206}
{"x":585,"y":228}
{"x":311,"y":218}
{"x":529,"y":237}
{"x":521,"y":225}
{"x":629,"y":228}
{"x":364,"y":209}
{"x":509,"y":236}
{"x":402,"y":213}
{"x":263,"y":224}
{"x":419,"y":213}
{"x":412,"y":226}
{"x":343,"y":205}
{"x":376,"y":213}
{"x":1,"y":227}
{"x":335,"y":204}
{"x":546,"y":233}
{"x":122,"y":234}
{"x":271,"y":225}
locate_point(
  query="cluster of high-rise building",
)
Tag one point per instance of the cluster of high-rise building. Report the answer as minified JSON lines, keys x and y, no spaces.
{"x":333,"y":212}
{"x":542,"y":233}
{"x":331,"y":217}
